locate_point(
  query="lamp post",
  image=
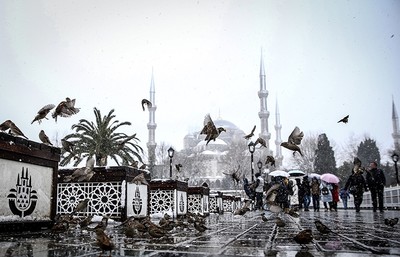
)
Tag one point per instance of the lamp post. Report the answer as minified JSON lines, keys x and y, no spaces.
{"x":171,"y":152}
{"x":395,"y":158}
{"x":252,"y":148}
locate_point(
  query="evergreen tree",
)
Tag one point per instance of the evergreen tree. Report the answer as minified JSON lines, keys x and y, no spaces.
{"x":368,"y":151}
{"x":345,"y":171}
{"x":324,"y":156}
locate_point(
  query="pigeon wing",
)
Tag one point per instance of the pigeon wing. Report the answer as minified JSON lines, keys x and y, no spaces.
{"x":296,"y":136}
{"x":46,"y":109}
{"x":209,"y":127}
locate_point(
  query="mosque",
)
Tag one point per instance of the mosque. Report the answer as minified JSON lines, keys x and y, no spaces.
{"x":194,"y":143}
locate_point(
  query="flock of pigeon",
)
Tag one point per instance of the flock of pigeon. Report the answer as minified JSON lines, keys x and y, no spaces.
{"x":131,"y":228}
{"x":64,"y":109}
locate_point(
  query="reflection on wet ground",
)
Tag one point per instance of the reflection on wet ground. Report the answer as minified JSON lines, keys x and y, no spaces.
{"x":354,"y":234}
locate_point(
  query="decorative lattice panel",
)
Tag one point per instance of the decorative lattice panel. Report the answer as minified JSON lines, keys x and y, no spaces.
{"x":161,"y":201}
{"x":228,"y":205}
{"x":194,"y":203}
{"x":213,"y":204}
{"x":105,"y":198}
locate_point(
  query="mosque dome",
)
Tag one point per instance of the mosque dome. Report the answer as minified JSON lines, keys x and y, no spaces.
{"x":232,"y":134}
{"x":225,"y":124}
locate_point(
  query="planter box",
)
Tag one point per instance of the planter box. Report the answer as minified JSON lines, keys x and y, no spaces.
{"x":168,"y":196}
{"x":198,"y":200}
{"x":216,"y":203}
{"x":110,"y":193}
{"x":28,"y":173}
{"x":228,"y":203}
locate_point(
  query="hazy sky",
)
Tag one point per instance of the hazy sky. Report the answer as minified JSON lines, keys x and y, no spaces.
{"x":323,"y":60}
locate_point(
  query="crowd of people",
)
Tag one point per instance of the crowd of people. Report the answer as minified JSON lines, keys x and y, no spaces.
{"x":298,"y":193}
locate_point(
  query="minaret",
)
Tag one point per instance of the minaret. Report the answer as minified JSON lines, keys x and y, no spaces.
{"x":263,"y":113}
{"x":278,"y":140}
{"x":396,"y":131}
{"x":151,"y":126}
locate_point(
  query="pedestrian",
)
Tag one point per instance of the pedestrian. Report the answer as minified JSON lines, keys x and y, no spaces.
{"x":376,"y":183}
{"x":315,"y":193}
{"x":300,"y":193}
{"x":344,"y":195}
{"x":307,"y":193}
{"x":335,"y":197}
{"x":326,"y":194}
{"x":356,"y":184}
{"x":247,"y":189}
{"x":259,"y":190}
{"x":282,"y":194}
{"x":294,"y":196}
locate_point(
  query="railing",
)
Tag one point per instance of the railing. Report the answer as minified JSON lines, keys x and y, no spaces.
{"x":391,"y":199}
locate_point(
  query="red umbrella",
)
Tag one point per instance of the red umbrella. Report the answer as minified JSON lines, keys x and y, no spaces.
{"x":330,"y":178}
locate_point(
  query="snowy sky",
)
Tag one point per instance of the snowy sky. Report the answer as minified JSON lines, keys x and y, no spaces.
{"x":323,"y":60}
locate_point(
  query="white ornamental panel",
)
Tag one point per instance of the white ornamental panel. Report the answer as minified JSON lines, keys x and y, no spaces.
{"x":25,"y":191}
{"x":181,"y":202}
{"x":136,"y":200}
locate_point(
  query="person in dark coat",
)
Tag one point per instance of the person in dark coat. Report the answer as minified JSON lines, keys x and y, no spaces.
{"x":307,"y":192}
{"x":300,"y":193}
{"x":376,"y":183}
{"x":357,"y":184}
{"x":247,"y":189}
{"x":283,"y":191}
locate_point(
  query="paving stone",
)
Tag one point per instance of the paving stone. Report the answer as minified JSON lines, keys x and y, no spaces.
{"x":355,"y":234}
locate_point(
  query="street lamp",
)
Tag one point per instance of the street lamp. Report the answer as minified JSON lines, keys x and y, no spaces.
{"x":171,"y":152}
{"x":395,"y":158}
{"x":252,"y":148}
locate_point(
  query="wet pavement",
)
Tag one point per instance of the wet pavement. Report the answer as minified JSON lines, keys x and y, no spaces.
{"x":354,"y":234}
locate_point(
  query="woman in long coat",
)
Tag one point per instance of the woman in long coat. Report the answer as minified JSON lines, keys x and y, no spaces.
{"x":326,"y":194}
{"x":357,"y":185}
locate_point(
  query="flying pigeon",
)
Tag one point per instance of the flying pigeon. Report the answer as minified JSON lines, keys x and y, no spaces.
{"x":42,"y":113}
{"x":344,"y":120}
{"x":234,"y":175}
{"x":270,"y":159}
{"x":260,"y":141}
{"x":146,"y":102}
{"x":65,"y":109}
{"x":294,"y":140}
{"x":178,"y":167}
{"x":251,"y":133}
{"x":210,"y":130}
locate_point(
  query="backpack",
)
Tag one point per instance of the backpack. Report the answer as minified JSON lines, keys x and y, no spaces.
{"x":325,"y":191}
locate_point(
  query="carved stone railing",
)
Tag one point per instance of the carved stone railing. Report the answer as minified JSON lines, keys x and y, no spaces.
{"x":110,"y":192}
{"x":198,"y":200}
{"x":168,"y":196}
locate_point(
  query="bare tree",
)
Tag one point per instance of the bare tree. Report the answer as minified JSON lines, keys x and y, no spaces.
{"x":349,"y":150}
{"x":237,"y":157}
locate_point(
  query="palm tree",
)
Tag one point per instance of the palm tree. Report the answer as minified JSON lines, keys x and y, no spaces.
{"x":102,"y":140}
